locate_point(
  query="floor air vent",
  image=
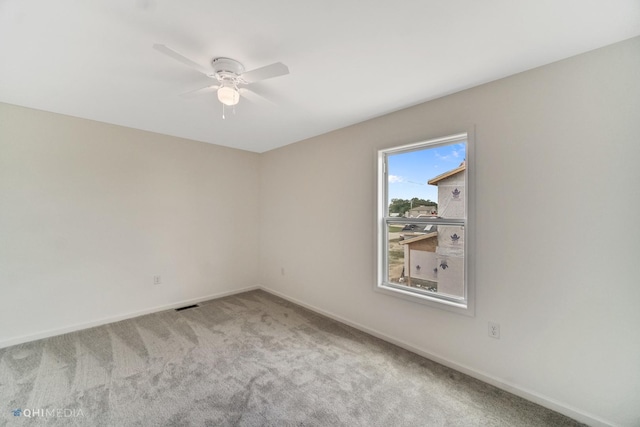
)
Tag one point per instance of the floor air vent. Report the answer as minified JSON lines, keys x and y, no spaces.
{"x":187,"y":307}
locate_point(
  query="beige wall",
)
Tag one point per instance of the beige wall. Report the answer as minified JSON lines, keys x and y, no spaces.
{"x":565,"y":293}
{"x":90,"y":212}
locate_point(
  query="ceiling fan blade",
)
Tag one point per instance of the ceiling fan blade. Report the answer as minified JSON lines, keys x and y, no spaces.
{"x":266,"y":72}
{"x":254,"y":97}
{"x":201,"y":91}
{"x":180,"y":58}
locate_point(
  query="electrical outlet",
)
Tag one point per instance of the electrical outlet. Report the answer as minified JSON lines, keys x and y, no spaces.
{"x":157,"y":280}
{"x":494,"y":330}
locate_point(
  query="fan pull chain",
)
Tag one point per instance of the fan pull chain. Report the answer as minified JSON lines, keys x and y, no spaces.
{"x":233,"y":111}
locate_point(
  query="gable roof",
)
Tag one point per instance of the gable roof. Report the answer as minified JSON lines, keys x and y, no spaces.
{"x":418,"y":238}
{"x":434,"y":181}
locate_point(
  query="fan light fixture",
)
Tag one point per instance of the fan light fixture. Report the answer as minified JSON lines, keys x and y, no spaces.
{"x":228,"y":95}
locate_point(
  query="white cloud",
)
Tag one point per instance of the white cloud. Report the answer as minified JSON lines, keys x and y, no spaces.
{"x":453,"y":155}
{"x":395,"y":178}
{"x":441,"y":157}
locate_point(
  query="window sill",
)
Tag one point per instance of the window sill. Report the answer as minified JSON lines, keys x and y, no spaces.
{"x":463,"y":308}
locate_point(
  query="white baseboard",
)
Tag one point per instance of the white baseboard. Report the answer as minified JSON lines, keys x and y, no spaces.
{"x":117,"y":318}
{"x":529,"y":395}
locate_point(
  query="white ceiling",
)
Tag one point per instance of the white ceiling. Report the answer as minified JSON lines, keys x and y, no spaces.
{"x":349,"y":60}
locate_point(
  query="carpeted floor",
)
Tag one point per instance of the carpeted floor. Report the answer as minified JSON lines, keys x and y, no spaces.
{"x":251,"y":359}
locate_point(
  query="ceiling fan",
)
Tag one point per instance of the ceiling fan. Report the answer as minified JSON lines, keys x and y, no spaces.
{"x":229,"y":75}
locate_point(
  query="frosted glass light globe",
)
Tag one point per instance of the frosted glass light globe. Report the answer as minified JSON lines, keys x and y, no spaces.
{"x":228,"y":95}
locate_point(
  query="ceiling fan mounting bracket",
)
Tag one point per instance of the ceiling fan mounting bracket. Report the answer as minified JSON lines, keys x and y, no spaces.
{"x":227,"y":66}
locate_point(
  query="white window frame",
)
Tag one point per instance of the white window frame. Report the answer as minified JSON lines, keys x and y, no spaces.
{"x":465,"y":305}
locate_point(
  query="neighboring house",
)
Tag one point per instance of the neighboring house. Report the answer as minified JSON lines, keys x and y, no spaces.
{"x":420,"y":257}
{"x":451,"y":192}
{"x":438,"y":256}
{"x":422,"y":210}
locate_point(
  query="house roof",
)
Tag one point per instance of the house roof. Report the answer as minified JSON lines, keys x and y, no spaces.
{"x":434,"y":181}
{"x":419,"y":237}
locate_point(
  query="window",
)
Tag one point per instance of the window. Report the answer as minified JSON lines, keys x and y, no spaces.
{"x":423,"y":231}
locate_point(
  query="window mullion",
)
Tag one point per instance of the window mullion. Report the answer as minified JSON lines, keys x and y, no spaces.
{"x":434,"y":221}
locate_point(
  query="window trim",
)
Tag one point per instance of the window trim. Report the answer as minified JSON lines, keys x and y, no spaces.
{"x":465,"y":306}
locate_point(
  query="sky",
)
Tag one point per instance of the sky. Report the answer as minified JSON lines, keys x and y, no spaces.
{"x":409,"y":172}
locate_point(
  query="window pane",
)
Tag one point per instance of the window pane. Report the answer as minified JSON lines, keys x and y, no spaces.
{"x":428,"y":182}
{"x":427,"y":257}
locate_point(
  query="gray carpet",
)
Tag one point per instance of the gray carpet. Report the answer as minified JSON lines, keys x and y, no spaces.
{"x":251,"y":359}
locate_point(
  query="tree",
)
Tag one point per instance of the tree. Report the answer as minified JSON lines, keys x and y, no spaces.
{"x":400,"y":206}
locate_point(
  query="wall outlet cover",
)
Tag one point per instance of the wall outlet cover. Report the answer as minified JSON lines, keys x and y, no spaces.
{"x":494,"y":330}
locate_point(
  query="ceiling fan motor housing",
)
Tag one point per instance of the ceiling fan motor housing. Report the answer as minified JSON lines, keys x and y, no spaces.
{"x":226,"y":67}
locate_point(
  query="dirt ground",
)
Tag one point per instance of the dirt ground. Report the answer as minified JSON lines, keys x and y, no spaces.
{"x":395,"y":264}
